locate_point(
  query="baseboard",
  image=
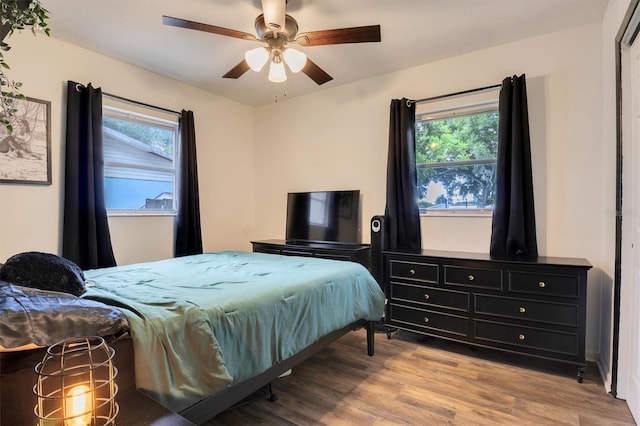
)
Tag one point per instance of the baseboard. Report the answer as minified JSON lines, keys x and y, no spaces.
{"x":605,"y":372}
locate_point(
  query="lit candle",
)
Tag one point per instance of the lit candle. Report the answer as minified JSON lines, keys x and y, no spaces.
{"x":78,"y":406}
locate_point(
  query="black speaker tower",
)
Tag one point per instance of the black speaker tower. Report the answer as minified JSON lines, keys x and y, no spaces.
{"x":378,"y":245}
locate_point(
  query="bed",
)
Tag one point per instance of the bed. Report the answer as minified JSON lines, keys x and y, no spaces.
{"x":208,"y":330}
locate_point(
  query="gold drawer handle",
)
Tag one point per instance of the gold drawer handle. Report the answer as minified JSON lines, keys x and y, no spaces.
{"x":426,"y":296}
{"x":471,"y":277}
{"x":521,"y":337}
{"x":522,"y":310}
{"x":541,"y":284}
{"x":426,"y":319}
{"x":412,"y":271}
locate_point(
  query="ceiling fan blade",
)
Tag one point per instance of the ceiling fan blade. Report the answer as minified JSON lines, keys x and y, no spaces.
{"x":191,"y":25}
{"x":238,"y":70}
{"x":370,"y":33}
{"x":274,"y":11}
{"x":316,"y":73}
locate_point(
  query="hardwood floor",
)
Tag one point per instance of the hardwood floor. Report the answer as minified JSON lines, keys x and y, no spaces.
{"x":414,"y":382}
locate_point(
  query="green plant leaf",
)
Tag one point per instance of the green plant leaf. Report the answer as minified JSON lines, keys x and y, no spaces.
{"x":18,"y":18}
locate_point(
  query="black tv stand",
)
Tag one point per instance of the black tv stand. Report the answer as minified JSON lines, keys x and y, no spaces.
{"x":360,"y":253}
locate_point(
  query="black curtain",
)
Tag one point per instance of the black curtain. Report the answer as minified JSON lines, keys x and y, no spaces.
{"x":401,"y":211}
{"x":188,"y":232}
{"x":513,"y":231}
{"x":85,"y":239}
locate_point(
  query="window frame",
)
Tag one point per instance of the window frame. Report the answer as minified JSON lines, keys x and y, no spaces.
{"x":147,"y":115}
{"x":458,"y":105}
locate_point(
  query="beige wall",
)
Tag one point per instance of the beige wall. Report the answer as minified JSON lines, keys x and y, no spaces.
{"x":338,"y":138}
{"x":31,"y":214}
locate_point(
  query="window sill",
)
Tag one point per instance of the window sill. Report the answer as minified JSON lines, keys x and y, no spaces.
{"x":458,"y":213}
{"x":138,"y":213}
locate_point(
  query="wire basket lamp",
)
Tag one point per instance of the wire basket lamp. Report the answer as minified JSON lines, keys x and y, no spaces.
{"x":76,"y":384}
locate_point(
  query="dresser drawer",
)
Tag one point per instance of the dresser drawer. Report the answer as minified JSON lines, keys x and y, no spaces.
{"x":267,"y":249}
{"x":474,"y":277}
{"x":530,"y":310}
{"x":429,"y":296}
{"x":422,"y":319}
{"x":333,"y":256}
{"x":526,"y":337}
{"x":426,"y":272}
{"x":543,"y":284}
{"x":297,"y":253}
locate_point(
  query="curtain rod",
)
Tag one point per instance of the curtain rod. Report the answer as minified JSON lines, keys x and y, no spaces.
{"x":120,"y":98}
{"x":464,"y":92}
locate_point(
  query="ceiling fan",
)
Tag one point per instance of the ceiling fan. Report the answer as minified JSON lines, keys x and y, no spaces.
{"x":278,"y":30}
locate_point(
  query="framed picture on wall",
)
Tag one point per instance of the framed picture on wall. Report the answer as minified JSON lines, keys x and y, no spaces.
{"x":25,"y":153}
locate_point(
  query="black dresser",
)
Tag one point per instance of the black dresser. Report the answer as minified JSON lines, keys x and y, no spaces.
{"x":532,"y":307}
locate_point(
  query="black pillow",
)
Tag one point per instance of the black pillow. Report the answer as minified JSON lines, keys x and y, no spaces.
{"x":44,"y":271}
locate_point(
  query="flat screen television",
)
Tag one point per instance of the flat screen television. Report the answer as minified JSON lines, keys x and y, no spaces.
{"x":323,"y":217}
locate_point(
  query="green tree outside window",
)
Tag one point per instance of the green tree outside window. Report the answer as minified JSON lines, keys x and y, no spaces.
{"x":455,"y":158}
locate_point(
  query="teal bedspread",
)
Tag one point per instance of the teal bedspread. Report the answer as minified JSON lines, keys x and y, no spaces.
{"x":201,"y":323}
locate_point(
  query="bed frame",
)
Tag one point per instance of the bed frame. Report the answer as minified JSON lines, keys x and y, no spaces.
{"x":213,"y":405}
{"x":18,"y":377}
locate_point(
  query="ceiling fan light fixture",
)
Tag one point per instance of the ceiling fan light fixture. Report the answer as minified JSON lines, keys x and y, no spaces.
{"x":295,"y":59}
{"x":256,"y":58}
{"x":277,"y":29}
{"x":277,"y":73}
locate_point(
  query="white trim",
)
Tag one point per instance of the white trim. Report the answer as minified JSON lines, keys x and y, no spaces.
{"x":631,"y":32}
{"x":141,"y":212}
{"x":136,"y":116}
{"x":628,"y":386}
{"x":459,"y":111}
{"x":458,"y":213}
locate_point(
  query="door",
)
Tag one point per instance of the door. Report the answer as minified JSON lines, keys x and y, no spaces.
{"x":629,"y":367}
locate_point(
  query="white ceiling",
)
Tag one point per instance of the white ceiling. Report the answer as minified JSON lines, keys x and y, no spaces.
{"x":413,"y":32}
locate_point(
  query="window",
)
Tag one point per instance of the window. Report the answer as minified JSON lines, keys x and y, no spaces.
{"x":139,"y":152}
{"x":456,"y":151}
